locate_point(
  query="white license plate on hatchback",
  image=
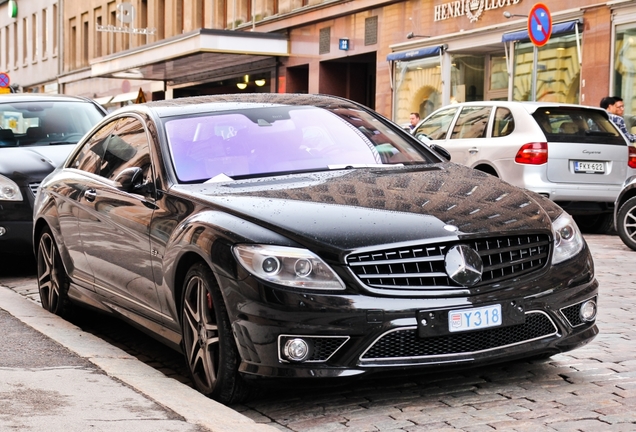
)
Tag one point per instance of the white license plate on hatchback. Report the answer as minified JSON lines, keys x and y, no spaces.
{"x":474,"y":318}
{"x":589,"y":167}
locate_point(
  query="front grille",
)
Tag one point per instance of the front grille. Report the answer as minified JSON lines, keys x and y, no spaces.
{"x":34,"y":187}
{"x":404,"y":344}
{"x":422,"y":266}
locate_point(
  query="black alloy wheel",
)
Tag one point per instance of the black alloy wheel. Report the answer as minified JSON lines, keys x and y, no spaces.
{"x":208,"y":344}
{"x":626,"y":221}
{"x":53,"y":282}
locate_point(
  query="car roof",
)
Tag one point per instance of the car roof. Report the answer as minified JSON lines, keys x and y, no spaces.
{"x":226,"y":102}
{"x":38,"y":97}
{"x":530,"y":106}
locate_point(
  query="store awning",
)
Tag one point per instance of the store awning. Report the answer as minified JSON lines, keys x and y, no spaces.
{"x":415,"y":54}
{"x":522,"y":35}
{"x":103,"y":100}
{"x":125,"y":97}
{"x":201,"y":55}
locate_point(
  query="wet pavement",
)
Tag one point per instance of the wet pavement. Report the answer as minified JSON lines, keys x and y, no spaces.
{"x":592,"y":388}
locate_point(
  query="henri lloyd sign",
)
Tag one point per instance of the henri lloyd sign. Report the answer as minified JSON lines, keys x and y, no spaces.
{"x":471,"y":8}
{"x":125,"y":14}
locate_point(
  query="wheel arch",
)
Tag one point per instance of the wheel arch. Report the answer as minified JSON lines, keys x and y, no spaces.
{"x":186,"y":261}
{"x":627,"y":194}
{"x":487,"y":168}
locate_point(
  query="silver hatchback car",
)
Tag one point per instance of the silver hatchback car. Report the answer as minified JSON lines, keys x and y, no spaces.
{"x":571,"y":154}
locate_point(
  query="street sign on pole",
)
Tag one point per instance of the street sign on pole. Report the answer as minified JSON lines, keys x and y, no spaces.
{"x":4,"y":80}
{"x":539,"y":24}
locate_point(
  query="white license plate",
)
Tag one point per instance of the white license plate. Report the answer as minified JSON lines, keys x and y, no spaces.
{"x":474,"y":318}
{"x":589,"y":167}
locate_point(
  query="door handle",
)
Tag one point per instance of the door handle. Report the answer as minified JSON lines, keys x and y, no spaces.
{"x":90,"y":195}
{"x":473,"y":150}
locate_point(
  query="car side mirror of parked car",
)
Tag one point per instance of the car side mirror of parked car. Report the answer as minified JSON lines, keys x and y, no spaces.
{"x":440,"y":151}
{"x":129,"y":179}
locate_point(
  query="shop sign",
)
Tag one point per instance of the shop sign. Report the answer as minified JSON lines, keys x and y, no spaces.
{"x":472,"y":9}
{"x":125,"y":14}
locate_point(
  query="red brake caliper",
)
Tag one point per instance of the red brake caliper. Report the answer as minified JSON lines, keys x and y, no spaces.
{"x":209,"y":301}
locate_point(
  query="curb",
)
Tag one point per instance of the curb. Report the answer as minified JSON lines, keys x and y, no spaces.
{"x":194,"y":407}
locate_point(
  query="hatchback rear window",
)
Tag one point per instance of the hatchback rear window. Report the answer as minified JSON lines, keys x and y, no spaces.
{"x":574,"y":125}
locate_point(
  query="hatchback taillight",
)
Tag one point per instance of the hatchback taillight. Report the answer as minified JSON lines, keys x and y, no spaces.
{"x":631,"y":162}
{"x":533,"y":153}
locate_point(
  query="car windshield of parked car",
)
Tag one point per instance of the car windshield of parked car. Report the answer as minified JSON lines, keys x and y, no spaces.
{"x":220,"y":146}
{"x":41,"y":123}
{"x":563,"y":124}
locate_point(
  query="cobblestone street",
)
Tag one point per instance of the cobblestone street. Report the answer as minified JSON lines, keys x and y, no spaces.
{"x":590,"y":389}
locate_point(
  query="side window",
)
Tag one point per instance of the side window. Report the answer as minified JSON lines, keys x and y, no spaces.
{"x":127,"y":147}
{"x":89,"y":158}
{"x":504,"y":123}
{"x":472,"y":123}
{"x":436,"y":126}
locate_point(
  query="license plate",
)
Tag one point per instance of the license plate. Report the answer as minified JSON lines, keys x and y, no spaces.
{"x":589,"y":167}
{"x":474,"y":318}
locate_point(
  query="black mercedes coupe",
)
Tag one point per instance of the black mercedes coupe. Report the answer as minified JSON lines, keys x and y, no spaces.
{"x":275,"y":237}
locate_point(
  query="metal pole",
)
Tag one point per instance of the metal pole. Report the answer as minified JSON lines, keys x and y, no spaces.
{"x":535,"y":61}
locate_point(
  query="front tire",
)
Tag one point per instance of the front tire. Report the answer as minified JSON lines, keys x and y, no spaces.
{"x":208,"y":344}
{"x":626,"y":223}
{"x":53,"y":282}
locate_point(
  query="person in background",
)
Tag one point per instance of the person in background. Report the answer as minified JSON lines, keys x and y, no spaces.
{"x":615,"y":108}
{"x":414,"y":120}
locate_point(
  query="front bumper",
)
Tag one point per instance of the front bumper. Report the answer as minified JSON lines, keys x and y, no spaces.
{"x":17,"y":237}
{"x":354,"y":335}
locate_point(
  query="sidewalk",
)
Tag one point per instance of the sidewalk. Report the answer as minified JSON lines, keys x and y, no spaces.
{"x":55,"y":377}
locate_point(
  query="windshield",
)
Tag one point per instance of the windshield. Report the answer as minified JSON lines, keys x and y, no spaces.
{"x":284,"y":139}
{"x":43,"y":123}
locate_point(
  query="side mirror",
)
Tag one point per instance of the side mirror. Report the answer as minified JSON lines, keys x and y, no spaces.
{"x":440,"y":151}
{"x":129,"y":179}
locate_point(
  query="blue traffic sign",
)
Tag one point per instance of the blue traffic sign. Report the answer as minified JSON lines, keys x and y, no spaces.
{"x":539,"y":24}
{"x":4,"y":80}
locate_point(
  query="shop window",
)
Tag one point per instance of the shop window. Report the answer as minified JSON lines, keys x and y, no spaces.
{"x":625,"y":71}
{"x":418,"y":87}
{"x":467,"y":78}
{"x":558,"y":70}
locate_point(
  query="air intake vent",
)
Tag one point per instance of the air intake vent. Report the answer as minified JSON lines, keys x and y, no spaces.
{"x":371,"y":31}
{"x":325,"y":41}
{"x":404,"y":344}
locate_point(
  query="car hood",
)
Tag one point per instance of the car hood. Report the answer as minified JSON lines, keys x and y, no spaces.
{"x":34,"y":161}
{"x":352,"y":209}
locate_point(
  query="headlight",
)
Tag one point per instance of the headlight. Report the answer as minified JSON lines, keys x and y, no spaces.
{"x":568,"y":240}
{"x":292,"y":267}
{"x":9,"y":191}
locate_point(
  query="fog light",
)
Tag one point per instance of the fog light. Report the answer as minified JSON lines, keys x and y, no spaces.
{"x":3,"y":231}
{"x":588,"y":310}
{"x":296,"y":350}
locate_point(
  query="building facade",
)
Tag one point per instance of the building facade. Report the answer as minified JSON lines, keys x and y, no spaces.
{"x":396,"y":56}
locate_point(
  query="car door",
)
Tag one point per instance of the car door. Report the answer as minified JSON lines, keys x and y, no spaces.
{"x":468,"y":135}
{"x":114,"y":223}
{"x":84,"y":164}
